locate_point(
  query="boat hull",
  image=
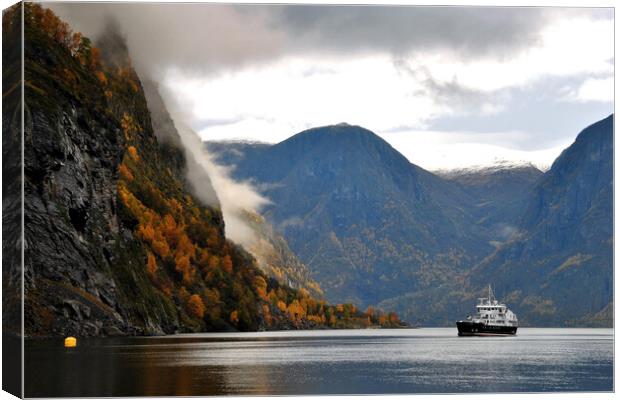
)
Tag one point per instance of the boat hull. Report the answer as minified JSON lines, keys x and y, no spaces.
{"x":470,"y":328}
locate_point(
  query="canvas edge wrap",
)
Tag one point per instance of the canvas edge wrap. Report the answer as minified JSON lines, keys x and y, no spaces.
{"x":12,"y":200}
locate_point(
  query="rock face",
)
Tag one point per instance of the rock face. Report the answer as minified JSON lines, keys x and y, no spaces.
{"x":11,"y":187}
{"x":74,"y":236}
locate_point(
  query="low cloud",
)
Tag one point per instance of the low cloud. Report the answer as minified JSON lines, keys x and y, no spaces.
{"x":289,"y":222}
{"x":235,"y":198}
{"x":506,"y":232}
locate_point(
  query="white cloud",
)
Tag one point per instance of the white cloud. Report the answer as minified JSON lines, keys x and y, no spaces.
{"x":273,"y":100}
{"x":277,"y":100}
{"x":436,"y":150}
{"x":596,"y":90}
{"x":568,"y":47}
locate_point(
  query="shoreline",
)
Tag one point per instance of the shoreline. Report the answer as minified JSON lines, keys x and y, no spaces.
{"x":278,"y":333}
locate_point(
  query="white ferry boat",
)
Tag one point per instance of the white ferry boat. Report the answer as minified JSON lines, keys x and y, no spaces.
{"x":492,"y":318}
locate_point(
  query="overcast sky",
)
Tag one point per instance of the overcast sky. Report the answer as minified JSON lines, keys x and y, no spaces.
{"x":446,"y":86}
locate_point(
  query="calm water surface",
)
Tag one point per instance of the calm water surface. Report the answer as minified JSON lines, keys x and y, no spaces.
{"x":430,"y":360}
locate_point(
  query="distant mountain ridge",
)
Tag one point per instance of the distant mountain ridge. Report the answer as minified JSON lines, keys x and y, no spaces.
{"x":484,"y":169}
{"x":376,"y":229}
{"x":500,"y":191}
{"x":338,"y":192}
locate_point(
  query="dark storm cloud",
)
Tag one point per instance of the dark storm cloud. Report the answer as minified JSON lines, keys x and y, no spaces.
{"x":196,"y":38}
{"x":466,"y":31}
{"x":215,"y":37}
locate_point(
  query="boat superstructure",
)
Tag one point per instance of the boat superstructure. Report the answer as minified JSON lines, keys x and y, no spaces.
{"x":491,"y":318}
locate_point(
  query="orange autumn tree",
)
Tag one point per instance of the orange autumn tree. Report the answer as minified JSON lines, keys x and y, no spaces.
{"x":261,"y":287}
{"x":125,"y":172}
{"x":234,"y":317}
{"x":195,"y":306}
{"x":151,"y":264}
{"x":183,"y":266}
{"x":227,"y":265}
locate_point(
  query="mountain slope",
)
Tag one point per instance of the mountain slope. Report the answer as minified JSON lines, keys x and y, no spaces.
{"x":500,"y":192}
{"x":368,"y":223}
{"x":275,"y":258}
{"x":375,"y":229}
{"x":117,"y":242}
{"x":559,"y":267}
{"x":270,"y":250}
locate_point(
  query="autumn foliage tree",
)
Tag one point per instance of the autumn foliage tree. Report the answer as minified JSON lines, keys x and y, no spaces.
{"x":77,"y":45}
{"x":227,"y":264}
{"x":195,"y":306}
{"x":151,"y":264}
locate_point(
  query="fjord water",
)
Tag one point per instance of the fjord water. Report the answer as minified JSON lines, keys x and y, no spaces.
{"x":429,"y":360}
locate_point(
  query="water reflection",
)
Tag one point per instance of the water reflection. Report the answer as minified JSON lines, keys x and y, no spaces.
{"x":324,"y":362}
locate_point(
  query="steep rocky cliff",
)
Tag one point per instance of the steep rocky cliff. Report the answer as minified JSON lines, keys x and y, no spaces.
{"x":117,"y":242}
{"x":78,"y":249}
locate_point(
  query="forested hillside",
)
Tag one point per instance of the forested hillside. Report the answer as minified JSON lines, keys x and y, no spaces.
{"x":117,"y":242}
{"x":378,"y":230}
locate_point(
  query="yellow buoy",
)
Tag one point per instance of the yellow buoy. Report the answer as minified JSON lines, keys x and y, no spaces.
{"x":70,"y":341}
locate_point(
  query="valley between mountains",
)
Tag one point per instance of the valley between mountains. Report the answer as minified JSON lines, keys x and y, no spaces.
{"x":125,"y":232}
{"x":375,"y":229}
